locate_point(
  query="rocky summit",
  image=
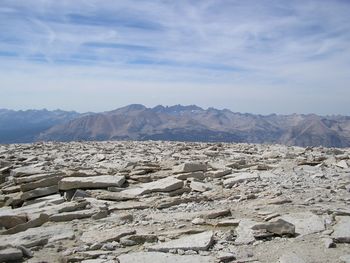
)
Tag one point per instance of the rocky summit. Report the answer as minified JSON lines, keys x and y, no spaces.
{"x":173,"y":202}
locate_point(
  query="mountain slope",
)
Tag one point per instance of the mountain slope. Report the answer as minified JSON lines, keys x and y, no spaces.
{"x":24,"y":126}
{"x":192,"y":123}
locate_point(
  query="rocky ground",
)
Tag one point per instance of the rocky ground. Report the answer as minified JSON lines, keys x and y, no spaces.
{"x":157,"y":202}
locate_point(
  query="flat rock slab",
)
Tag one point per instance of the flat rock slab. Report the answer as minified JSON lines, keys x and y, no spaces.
{"x":50,"y":181}
{"x":42,"y":219}
{"x":90,"y":182}
{"x":196,"y":175}
{"x":39,"y":192}
{"x":305,"y":222}
{"x":200,"y":187}
{"x":157,"y":257}
{"x":239,"y":178}
{"x":25,"y":171}
{"x":189,"y":167}
{"x":128,"y":205}
{"x":163,"y":185}
{"x":197,"y":242}
{"x":279,"y":227}
{"x":11,"y":220}
{"x":342,"y":229}
{"x":38,"y":236}
{"x":69,"y":216}
{"x":11,"y":255}
{"x":245,"y":233}
{"x":216,"y":213}
{"x":106,"y":235}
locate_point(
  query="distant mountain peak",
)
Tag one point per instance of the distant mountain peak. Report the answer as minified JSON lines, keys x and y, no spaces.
{"x":177,"y":122}
{"x":176,"y":108}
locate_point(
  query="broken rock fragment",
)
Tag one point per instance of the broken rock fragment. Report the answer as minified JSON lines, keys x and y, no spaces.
{"x":279,"y":227}
{"x":197,"y":242}
{"x":90,"y":182}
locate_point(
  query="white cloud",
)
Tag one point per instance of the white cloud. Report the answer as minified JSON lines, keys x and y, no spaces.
{"x":267,"y":51}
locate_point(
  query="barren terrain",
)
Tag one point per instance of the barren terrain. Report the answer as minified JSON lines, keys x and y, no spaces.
{"x":173,"y":202}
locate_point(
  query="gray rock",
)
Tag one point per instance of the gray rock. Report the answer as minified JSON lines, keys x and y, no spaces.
{"x":138,"y":239}
{"x":200,"y":187}
{"x":199,"y":175}
{"x":244,"y":231}
{"x":50,"y":181}
{"x":38,"y":236}
{"x":197,"y":242}
{"x":157,"y":257}
{"x":163,"y":185}
{"x":90,"y":182}
{"x":69,"y":216}
{"x":345,"y":259}
{"x":329,"y":243}
{"x":342,"y":164}
{"x":42,"y":219}
{"x":106,"y":235}
{"x":11,"y":254}
{"x":25,"y":171}
{"x":218,"y":174}
{"x":39,"y":192}
{"x":10,"y":220}
{"x":216,"y":213}
{"x":189,"y":167}
{"x":279,"y":227}
{"x":239,"y":178}
{"x":341,"y":232}
{"x":305,"y":222}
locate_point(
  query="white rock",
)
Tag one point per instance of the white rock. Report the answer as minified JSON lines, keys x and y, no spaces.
{"x":157,"y":257}
{"x":189,"y":167}
{"x":342,"y":164}
{"x":305,"y":222}
{"x":167,"y":184}
{"x":239,"y":178}
{"x":342,"y":229}
{"x":195,"y":242}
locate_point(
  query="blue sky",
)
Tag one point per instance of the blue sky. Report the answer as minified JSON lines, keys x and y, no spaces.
{"x":259,"y":56}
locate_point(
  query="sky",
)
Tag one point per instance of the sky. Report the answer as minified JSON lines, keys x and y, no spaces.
{"x":256,"y":56}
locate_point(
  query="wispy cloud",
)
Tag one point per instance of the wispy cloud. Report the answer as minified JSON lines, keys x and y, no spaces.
{"x":288,"y":48}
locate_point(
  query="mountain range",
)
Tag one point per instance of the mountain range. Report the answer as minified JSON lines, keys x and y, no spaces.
{"x":175,"y":123}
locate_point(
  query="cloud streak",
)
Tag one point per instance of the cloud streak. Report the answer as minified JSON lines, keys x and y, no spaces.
{"x":235,"y":47}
